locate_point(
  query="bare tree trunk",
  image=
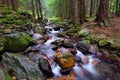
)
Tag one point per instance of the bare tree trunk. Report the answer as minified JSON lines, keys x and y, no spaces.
{"x":33,"y":8}
{"x":14,"y":5}
{"x":91,"y":8}
{"x":102,"y":14}
{"x":37,"y":8}
{"x":117,"y":7}
{"x":40,"y":10}
{"x":81,"y":11}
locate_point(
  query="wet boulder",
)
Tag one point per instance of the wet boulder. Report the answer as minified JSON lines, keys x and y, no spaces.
{"x":22,"y":66}
{"x":83,"y":46}
{"x":16,"y":42}
{"x":45,"y":67}
{"x":68,"y":43}
{"x":65,"y":59}
{"x":58,"y":42}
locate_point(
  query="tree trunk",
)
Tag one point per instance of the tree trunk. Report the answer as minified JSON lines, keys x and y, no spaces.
{"x":117,"y":8}
{"x":33,"y":8}
{"x":40,"y":10}
{"x":37,"y":9}
{"x":14,"y":5}
{"x":91,"y":8}
{"x":102,"y":14}
{"x":81,"y":11}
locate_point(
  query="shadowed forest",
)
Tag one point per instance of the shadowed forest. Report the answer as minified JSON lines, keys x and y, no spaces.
{"x":59,"y":39}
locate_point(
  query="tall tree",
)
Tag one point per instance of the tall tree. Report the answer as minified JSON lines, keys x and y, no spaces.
{"x":14,"y":5}
{"x":102,"y":13}
{"x":81,"y":11}
{"x":37,"y":9}
{"x":91,"y":8}
{"x":71,"y":9}
{"x":40,"y":9}
{"x":118,"y":8}
{"x":33,"y":8}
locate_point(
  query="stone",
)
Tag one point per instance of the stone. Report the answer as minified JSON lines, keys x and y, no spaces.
{"x":16,"y":42}
{"x":102,"y":42}
{"x":22,"y":66}
{"x":45,"y":67}
{"x":65,"y":59}
{"x":58,"y":42}
{"x":83,"y":46}
{"x":84,"y":32}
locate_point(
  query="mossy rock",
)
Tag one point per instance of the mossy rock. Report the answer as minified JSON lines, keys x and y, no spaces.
{"x":91,"y":38}
{"x":84,"y":32}
{"x":65,"y":59}
{"x":16,"y":42}
{"x":99,"y":37}
{"x":83,"y":46}
{"x":102,"y":42}
{"x":115,"y":44}
{"x":21,"y":66}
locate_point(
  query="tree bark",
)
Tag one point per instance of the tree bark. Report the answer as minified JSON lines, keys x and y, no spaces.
{"x":37,"y":9}
{"x":33,"y":8}
{"x":102,"y":13}
{"x":91,"y":8}
{"x":117,"y":8}
{"x":81,"y":11}
{"x":40,"y":10}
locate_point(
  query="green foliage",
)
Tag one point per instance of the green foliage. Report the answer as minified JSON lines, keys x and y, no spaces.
{"x":56,"y":19}
{"x":7,"y":76}
{"x":6,"y":9}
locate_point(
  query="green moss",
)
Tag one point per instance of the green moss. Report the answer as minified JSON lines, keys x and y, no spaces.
{"x":102,"y":42}
{"x":16,"y":43}
{"x":84,"y":32}
{"x":91,"y":38}
{"x":7,"y":76}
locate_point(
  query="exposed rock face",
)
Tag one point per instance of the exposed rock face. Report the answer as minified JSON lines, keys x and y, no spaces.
{"x":16,"y":42}
{"x":65,"y":59}
{"x":22,"y":66}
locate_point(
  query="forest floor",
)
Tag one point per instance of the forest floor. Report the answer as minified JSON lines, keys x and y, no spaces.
{"x":112,"y":31}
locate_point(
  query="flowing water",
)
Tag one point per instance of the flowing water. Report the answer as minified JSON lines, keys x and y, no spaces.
{"x":86,"y":71}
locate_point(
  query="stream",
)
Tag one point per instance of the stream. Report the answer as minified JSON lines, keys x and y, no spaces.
{"x":83,"y":71}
